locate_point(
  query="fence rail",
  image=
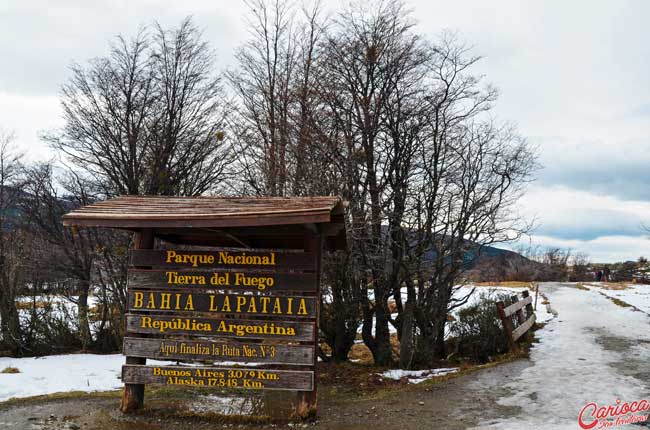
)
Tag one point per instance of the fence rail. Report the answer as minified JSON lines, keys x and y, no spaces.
{"x":521,"y":313}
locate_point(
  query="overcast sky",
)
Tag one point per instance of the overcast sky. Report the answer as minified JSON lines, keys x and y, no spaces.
{"x":573,"y":75}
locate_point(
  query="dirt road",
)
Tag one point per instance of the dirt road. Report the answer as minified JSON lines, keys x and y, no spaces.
{"x":593,"y":351}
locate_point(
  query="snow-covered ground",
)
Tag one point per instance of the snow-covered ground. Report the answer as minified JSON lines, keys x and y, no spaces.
{"x":70,"y":372}
{"x":637,"y":295}
{"x":594,"y":351}
{"x":543,"y":313}
{"x":417,"y":376}
{"x":60,"y":373}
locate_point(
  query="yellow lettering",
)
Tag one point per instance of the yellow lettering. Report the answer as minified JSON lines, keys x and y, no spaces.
{"x":189,"y":306}
{"x":241,"y":300}
{"x":265,"y":302}
{"x":137,"y":299}
{"x":302,"y":309}
{"x":165,"y":299}
{"x":170,"y":256}
{"x":151,"y":304}
{"x":276,"y":307}
{"x":226,"y":304}
{"x":170,"y":277}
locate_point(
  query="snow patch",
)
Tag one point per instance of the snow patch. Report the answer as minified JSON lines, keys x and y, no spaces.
{"x":62,"y":373}
{"x":417,"y":376}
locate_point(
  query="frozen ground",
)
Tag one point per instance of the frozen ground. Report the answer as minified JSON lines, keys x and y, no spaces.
{"x":417,"y":376}
{"x":58,"y":373}
{"x":637,"y":295}
{"x":543,"y":313}
{"x":61,"y":373}
{"x":70,"y":372}
{"x":594,"y":351}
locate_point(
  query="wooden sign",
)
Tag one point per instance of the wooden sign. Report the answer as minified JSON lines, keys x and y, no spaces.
{"x":188,"y":300}
{"x":247,"y":378}
{"x":226,"y":258}
{"x":165,"y":349}
{"x":242,"y":285}
{"x":233,"y":280}
{"x":171,"y":325}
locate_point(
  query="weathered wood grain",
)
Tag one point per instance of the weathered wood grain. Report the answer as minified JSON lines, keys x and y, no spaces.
{"x":133,"y":394}
{"x":516,"y":306}
{"x":220,"y":258}
{"x":240,"y":280}
{"x":246,"y":378}
{"x":519,"y":331}
{"x":204,"y":212}
{"x":188,"y":300}
{"x":171,"y":325}
{"x":224,"y":350}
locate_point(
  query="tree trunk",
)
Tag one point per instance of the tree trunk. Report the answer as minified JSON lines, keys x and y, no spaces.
{"x":10,"y":323}
{"x":406,"y":351}
{"x":440,"y":349}
{"x":82,"y":310}
{"x":383,"y":353}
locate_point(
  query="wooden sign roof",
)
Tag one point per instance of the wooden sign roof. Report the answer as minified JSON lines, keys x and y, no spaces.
{"x":220,"y":221}
{"x":131,"y":212}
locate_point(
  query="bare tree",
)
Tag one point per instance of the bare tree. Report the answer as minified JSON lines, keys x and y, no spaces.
{"x":70,"y":255}
{"x":15,"y":244}
{"x":469,"y":174}
{"x":273,"y":82}
{"x":370,"y":63}
{"x":579,"y":267}
{"x":149,"y":117}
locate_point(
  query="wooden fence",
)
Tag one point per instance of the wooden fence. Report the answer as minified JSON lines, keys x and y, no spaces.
{"x":517,"y":318}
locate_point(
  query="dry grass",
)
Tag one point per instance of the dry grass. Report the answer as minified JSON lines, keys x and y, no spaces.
{"x":616,"y":286}
{"x":39,"y":304}
{"x":10,"y":370}
{"x":509,"y":284}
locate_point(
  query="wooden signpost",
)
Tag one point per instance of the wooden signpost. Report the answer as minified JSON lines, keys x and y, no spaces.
{"x":211,"y":281}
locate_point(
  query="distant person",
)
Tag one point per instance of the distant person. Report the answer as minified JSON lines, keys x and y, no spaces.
{"x":599,"y":275}
{"x":606,"y":274}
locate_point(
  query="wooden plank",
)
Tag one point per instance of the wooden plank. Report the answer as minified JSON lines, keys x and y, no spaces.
{"x":519,"y":331}
{"x":521,"y":318}
{"x":171,"y":325}
{"x":507,"y":325}
{"x":224,"y":258}
{"x":230,"y":350}
{"x":188,"y":300}
{"x":154,"y":221}
{"x":235,"y":280}
{"x":245,"y":378}
{"x":529,"y":306}
{"x":133,"y":394}
{"x":307,"y":401}
{"x":516,"y":306}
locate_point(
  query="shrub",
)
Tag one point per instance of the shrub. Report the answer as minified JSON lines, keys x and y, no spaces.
{"x":477,"y":330}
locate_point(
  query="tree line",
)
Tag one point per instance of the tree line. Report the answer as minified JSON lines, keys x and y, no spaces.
{"x":353,"y":103}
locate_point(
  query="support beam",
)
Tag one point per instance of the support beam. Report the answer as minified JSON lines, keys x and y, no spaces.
{"x":133,"y":395}
{"x":307,"y":404}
